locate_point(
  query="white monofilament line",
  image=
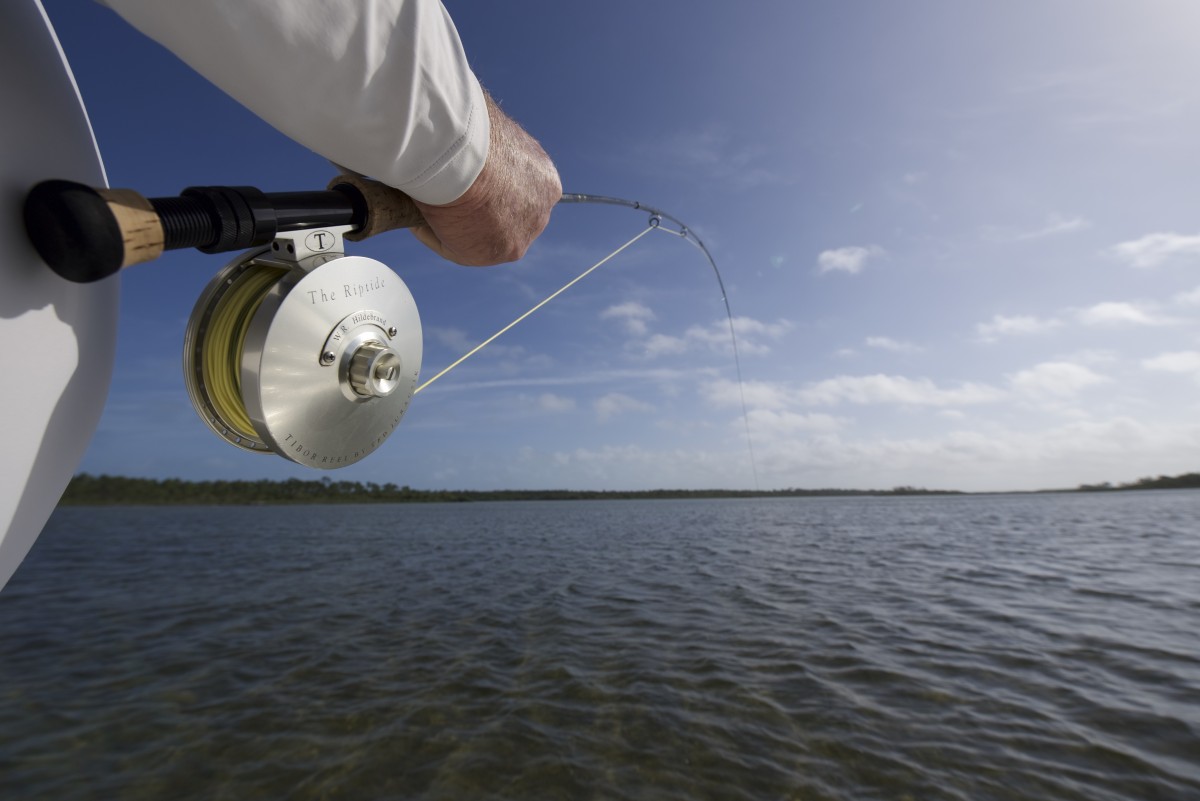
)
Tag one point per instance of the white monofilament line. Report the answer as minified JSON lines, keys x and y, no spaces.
{"x":574,"y":281}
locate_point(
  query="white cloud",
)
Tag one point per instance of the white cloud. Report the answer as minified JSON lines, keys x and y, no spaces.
{"x":633,"y":315}
{"x":1154,"y":249}
{"x":1114,"y":313}
{"x":749,"y":333}
{"x":663,"y":345}
{"x":748,"y":326}
{"x":715,"y":337}
{"x":1092,"y":357}
{"x":758,"y":394}
{"x":453,"y":338}
{"x":826,"y":450}
{"x":848,"y":259}
{"x":549,"y":402}
{"x":896,"y":346}
{"x":1186,"y":361}
{"x":1055,"y":380}
{"x":1055,"y":224}
{"x":769,"y":423}
{"x":1084,"y":451}
{"x":1191,"y":298}
{"x":1014,"y":326}
{"x":895,"y":390}
{"x":590,"y":377}
{"x":615,"y":403}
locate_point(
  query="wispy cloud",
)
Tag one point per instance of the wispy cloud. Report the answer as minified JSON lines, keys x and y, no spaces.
{"x":889,"y":389}
{"x":664,"y":345}
{"x":1055,"y":380}
{"x":549,"y":402}
{"x":856,"y":390}
{"x":615,"y":403}
{"x":1184,"y":361}
{"x":750,"y":333}
{"x":1190,"y":298}
{"x":1154,"y":249}
{"x":569,"y":380}
{"x":850,"y":259}
{"x":1056,"y":224}
{"x":1018,"y":325}
{"x":772,"y":423}
{"x":769,"y":395}
{"x":1084,"y":450}
{"x":996,"y":458}
{"x":1120,"y":313}
{"x":634,"y":316}
{"x":893,"y":345}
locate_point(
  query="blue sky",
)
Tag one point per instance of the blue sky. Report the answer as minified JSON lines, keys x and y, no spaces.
{"x":962,"y":243}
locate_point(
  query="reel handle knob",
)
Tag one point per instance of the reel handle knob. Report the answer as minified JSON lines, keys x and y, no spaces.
{"x":87,"y":234}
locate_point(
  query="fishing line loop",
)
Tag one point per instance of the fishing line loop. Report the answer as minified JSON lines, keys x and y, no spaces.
{"x":682,"y":233}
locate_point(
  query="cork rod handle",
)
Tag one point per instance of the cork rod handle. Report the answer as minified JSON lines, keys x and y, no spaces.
{"x":386,"y":208}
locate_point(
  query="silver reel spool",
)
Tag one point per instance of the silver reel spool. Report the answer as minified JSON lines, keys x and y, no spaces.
{"x":300,"y":350}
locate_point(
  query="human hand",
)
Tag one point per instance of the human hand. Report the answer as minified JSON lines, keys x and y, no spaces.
{"x":508,"y":206}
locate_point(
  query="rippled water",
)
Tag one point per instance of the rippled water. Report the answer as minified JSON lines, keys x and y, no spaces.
{"x":1007,"y":647}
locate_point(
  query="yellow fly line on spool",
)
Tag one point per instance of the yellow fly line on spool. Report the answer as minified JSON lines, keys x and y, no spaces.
{"x":224,"y":341}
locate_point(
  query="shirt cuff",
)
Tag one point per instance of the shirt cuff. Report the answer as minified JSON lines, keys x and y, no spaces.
{"x":448,"y":178}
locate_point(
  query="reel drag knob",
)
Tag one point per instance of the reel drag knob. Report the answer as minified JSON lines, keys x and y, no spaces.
{"x":375,"y":370}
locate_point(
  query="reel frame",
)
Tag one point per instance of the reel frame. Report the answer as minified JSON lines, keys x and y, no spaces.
{"x":296,"y":349}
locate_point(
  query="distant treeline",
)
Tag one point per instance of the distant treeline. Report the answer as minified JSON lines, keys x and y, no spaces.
{"x":1185,"y":481}
{"x":89,"y":490}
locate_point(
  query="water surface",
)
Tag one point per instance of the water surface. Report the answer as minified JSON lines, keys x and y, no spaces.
{"x":1005,"y":647}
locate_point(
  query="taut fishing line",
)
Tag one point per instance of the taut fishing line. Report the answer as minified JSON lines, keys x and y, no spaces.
{"x":654,"y":224}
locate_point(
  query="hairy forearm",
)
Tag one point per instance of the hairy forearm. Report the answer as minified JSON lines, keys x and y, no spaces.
{"x":507,"y":206}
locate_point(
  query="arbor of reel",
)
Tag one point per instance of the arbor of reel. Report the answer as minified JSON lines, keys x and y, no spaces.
{"x":313,"y":358}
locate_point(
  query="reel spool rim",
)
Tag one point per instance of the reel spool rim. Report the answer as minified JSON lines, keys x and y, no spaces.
{"x":194,"y":342}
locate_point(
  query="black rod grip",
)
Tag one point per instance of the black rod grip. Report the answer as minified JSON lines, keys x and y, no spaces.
{"x":87,"y":234}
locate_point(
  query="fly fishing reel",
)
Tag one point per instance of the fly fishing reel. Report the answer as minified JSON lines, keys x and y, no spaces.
{"x":294,"y":348}
{"x":300,"y":350}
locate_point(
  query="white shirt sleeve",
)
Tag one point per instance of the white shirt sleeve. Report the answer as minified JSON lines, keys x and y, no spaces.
{"x":379,"y":86}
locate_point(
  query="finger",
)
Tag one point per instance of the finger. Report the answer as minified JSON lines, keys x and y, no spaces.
{"x":429,"y":239}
